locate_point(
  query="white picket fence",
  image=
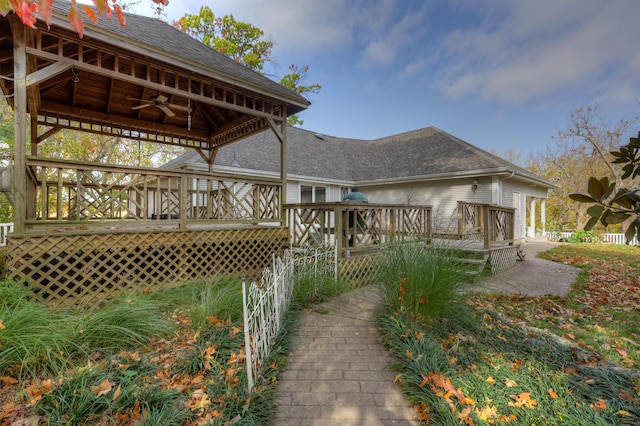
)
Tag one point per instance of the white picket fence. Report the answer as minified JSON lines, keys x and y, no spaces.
{"x":611,"y":238}
{"x":266,"y":302}
{"x":5,"y":228}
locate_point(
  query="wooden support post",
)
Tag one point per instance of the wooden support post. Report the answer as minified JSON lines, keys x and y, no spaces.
{"x":19,"y":180}
{"x":182,"y":207}
{"x":486,"y":225}
{"x":281,"y":134}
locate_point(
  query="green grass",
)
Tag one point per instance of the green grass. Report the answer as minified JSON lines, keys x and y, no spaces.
{"x":525,"y":360}
{"x":165,"y":358}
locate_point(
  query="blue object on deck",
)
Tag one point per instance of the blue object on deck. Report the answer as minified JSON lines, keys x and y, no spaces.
{"x":355,"y":196}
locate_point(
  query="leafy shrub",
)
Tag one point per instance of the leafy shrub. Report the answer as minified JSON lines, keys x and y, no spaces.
{"x":583,"y":236}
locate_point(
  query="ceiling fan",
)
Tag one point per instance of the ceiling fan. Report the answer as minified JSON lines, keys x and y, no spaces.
{"x":160,"y":102}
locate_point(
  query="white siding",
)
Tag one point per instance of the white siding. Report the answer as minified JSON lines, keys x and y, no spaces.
{"x":442,"y":196}
{"x":293,"y":192}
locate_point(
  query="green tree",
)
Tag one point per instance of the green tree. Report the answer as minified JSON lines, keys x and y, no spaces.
{"x":245,"y":44}
{"x":580,"y":151}
{"x":238,"y":40}
{"x":613,"y":202}
{"x":295,"y":80}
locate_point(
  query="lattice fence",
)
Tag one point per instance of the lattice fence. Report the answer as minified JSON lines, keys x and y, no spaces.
{"x":86,"y":269}
{"x":503,"y":258}
{"x":359,"y":270}
{"x":266,"y":302}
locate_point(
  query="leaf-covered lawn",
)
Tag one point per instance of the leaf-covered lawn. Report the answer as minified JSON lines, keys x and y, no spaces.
{"x":193,"y":375}
{"x":505,"y":359}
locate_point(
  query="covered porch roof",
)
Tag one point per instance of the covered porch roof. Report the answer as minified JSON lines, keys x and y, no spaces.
{"x":196,"y":96}
{"x":145,"y":81}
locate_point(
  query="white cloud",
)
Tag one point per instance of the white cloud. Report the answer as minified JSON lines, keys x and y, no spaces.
{"x":540,"y":48}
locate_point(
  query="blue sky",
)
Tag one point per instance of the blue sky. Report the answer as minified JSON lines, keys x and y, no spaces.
{"x":500,"y":74}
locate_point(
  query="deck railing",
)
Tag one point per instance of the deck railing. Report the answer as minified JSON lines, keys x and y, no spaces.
{"x":69,"y":194}
{"x":356,"y":227}
{"x":487,"y":222}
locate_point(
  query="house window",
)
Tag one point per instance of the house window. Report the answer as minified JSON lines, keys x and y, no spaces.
{"x":343,"y":192}
{"x":313,"y":194}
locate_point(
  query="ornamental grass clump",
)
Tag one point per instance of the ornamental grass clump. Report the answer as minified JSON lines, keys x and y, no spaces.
{"x":33,"y":337}
{"x":422,"y":279}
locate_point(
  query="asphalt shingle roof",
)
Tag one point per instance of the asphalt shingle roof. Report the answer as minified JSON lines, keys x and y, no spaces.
{"x":418,"y":153}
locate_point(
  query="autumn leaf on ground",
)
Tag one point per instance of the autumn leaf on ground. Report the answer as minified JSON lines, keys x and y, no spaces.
{"x":599,"y":405}
{"x":7,"y":409}
{"x":622,"y":352}
{"x":199,"y":399}
{"x":523,"y":400}
{"x":103,"y":388}
{"x":235,"y":331}
{"x":117,"y":392}
{"x":510,"y":383}
{"x":491,"y":380}
{"x":8,"y":380}
{"x":552,"y":394}
{"x":487,"y":413}
{"x":463,"y":416}
{"x":625,"y":395}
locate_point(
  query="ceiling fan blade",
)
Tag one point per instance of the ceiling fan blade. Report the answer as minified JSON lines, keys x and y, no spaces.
{"x":161,"y":99}
{"x":141,"y":106}
{"x":180,"y":107}
{"x":166,"y":110}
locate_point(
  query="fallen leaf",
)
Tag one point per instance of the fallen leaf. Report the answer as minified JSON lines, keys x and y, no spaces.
{"x":552,"y":394}
{"x":487,"y":413}
{"x":29,"y":421}
{"x":199,"y":400}
{"x":8,"y":408}
{"x":103,"y":388}
{"x":599,"y":405}
{"x":8,"y":380}
{"x":510,"y":383}
{"x":491,"y":380}
{"x":622,"y":352}
{"x":623,"y":413}
{"x":523,"y":400}
{"x":625,"y":395}
{"x":117,"y":392}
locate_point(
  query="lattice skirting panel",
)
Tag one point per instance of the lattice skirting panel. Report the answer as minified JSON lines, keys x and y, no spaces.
{"x":503,"y":258}
{"x":87,"y":269}
{"x":359,"y":270}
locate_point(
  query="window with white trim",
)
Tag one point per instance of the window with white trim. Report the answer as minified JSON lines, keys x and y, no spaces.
{"x":313,"y":194}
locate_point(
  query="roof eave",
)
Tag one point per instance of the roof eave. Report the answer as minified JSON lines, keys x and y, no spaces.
{"x":503,"y":171}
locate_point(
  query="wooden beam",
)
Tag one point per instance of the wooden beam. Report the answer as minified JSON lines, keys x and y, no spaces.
{"x":44,"y":73}
{"x":209,"y":100}
{"x":52,"y":131}
{"x":279,"y":134}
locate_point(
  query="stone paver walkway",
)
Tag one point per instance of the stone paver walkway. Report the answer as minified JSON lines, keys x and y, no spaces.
{"x":337,"y":372}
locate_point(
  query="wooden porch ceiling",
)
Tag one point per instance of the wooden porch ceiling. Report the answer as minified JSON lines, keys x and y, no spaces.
{"x":99,"y":82}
